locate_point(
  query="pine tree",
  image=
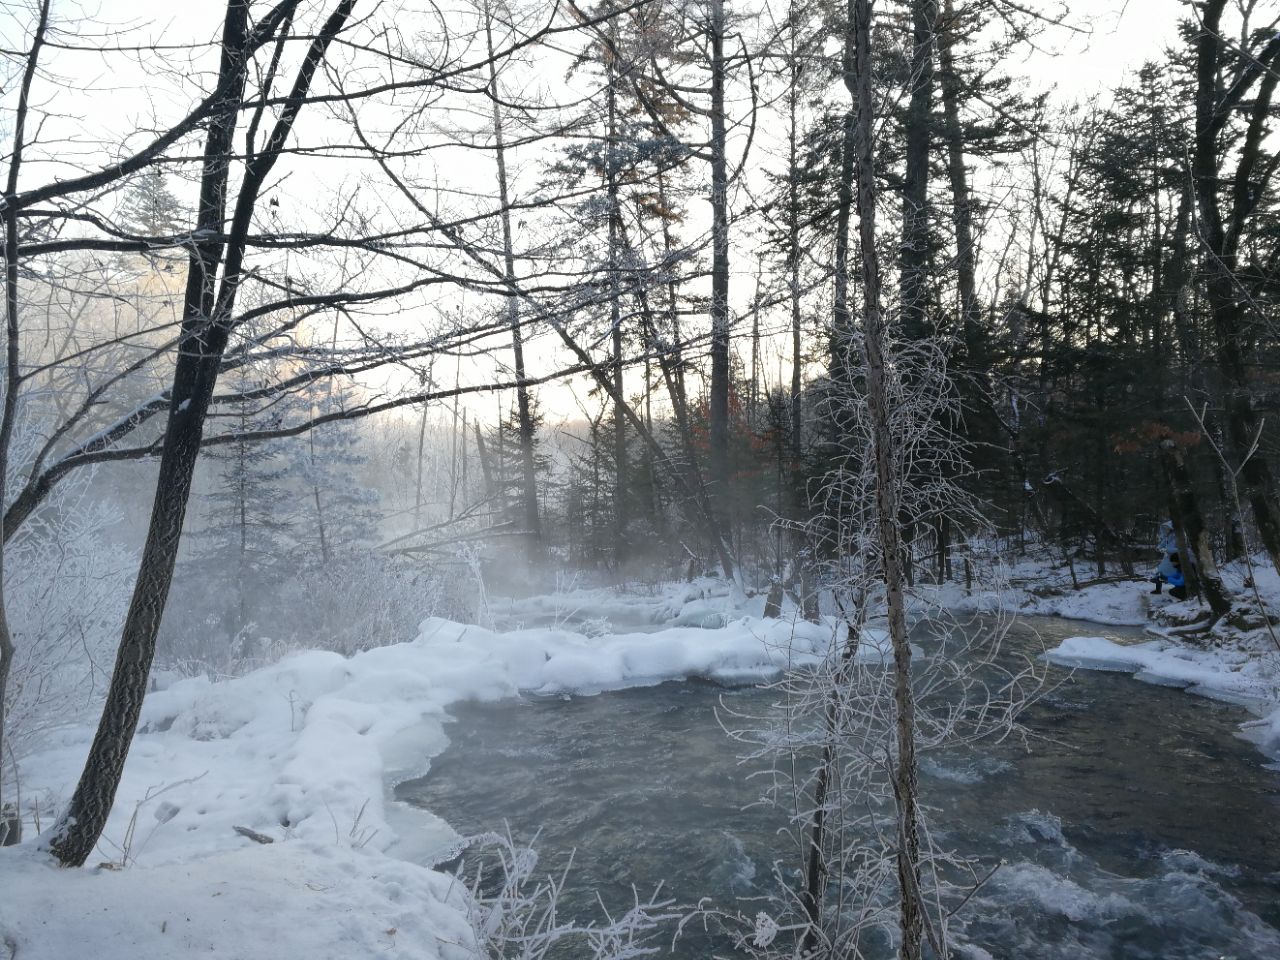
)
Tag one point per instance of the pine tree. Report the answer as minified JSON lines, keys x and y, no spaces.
{"x":336,"y":515}
{"x":149,"y":209}
{"x":504,"y":454}
{"x":238,"y":556}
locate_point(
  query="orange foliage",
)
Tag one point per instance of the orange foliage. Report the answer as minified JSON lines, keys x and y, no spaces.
{"x":1151,"y":432}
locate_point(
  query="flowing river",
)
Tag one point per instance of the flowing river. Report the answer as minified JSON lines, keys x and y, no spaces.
{"x":1136,"y":825}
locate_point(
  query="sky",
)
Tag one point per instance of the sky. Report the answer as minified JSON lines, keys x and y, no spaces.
{"x":94,"y":97}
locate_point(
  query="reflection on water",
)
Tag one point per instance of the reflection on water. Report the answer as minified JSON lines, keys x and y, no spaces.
{"x":1137,"y":825}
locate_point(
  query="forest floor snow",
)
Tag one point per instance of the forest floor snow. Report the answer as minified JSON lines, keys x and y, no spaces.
{"x":305,"y":752}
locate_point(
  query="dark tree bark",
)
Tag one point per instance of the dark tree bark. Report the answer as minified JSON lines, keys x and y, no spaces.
{"x":621,"y":472}
{"x":795,"y":69}
{"x":719,"y":405}
{"x":962,"y":204}
{"x":207,"y":309}
{"x":1196,"y":534}
{"x":904,"y":771}
{"x":843,"y":334}
{"x":1221,"y":231}
{"x":914,"y":253}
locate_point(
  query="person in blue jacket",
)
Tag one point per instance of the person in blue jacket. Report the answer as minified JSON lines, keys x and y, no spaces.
{"x":1170,"y":569}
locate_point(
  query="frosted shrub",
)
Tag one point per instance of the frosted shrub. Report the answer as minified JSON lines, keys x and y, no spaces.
{"x":515,"y":915}
{"x":354,"y":603}
{"x":68,"y":590}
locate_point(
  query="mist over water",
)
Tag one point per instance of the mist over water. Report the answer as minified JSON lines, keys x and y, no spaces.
{"x":1136,"y":824}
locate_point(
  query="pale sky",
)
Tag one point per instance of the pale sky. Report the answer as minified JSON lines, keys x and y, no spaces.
{"x":104,"y":95}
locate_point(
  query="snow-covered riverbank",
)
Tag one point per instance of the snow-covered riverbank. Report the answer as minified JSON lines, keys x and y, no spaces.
{"x":303,"y":752}
{"x":1238,"y":660}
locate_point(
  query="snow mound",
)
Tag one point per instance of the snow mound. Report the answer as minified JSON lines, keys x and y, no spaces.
{"x":257,"y":903}
{"x":1123,"y":604}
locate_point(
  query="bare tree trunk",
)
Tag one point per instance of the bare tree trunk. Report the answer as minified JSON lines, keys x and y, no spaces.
{"x":793,"y":253}
{"x":207,"y":315}
{"x":719,"y":410}
{"x":528,"y":468}
{"x":1221,"y":236}
{"x":486,"y":470}
{"x":1184,"y":544}
{"x":914,"y":254}
{"x":843,"y":334}
{"x":193,"y":381}
{"x":1197,"y":536}
{"x":962,"y":206}
{"x":620,"y":470}
{"x":797,"y":495}
{"x":417,"y":494}
{"x":887,"y":498}
{"x":453,"y":444}
{"x":815,"y":870}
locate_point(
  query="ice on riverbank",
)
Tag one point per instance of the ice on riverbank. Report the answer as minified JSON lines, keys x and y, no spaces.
{"x":1238,"y":673}
{"x":1237,"y":660}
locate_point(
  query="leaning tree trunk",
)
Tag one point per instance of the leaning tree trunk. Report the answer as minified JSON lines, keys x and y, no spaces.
{"x":206,"y":328}
{"x":887,"y":501}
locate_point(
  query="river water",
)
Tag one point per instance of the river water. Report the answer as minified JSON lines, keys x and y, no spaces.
{"x":1136,"y":825}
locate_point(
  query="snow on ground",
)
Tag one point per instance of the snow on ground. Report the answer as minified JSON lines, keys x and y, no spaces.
{"x":1123,"y":604}
{"x":1238,"y":660}
{"x":300,"y":899}
{"x":1040,"y":584}
{"x":304,"y":752}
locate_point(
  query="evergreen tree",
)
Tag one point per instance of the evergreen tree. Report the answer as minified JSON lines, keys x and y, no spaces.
{"x":149,"y":209}
{"x":503,"y":468}
{"x":336,"y":515}
{"x":239,"y":556}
